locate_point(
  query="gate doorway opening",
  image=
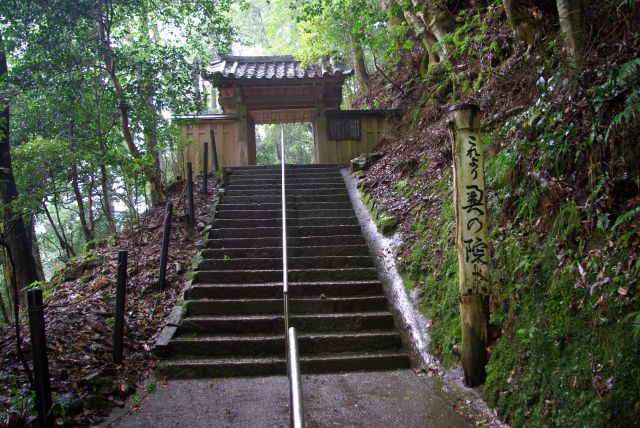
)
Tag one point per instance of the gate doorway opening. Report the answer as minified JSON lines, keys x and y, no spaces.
{"x":298,"y":141}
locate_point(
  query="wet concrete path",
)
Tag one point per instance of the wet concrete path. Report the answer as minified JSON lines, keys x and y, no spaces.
{"x":370,"y":399}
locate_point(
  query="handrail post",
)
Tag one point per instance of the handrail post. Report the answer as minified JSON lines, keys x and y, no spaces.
{"x":191,"y":216}
{"x":40,"y":360}
{"x":164,"y":251}
{"x":295,"y":405}
{"x":214,"y":153}
{"x":290,"y":339}
{"x":285,"y":273}
{"x":205,"y":167}
{"x":121,"y":290}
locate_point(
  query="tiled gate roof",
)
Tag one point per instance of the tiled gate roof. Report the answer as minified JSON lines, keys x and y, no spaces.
{"x":230,"y":67}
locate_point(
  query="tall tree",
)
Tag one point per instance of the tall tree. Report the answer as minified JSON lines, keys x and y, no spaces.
{"x":20,"y":264}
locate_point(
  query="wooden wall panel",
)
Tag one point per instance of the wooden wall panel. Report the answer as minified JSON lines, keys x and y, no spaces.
{"x":199,"y":133}
{"x":341,"y":152}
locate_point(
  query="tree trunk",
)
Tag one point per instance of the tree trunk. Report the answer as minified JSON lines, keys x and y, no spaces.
{"x":86,"y":229}
{"x":521,"y":19}
{"x":151,"y":139}
{"x":68,"y":245}
{"x":35,"y":248}
{"x":430,"y":26}
{"x":108,"y":59}
{"x":75,"y":183}
{"x":357,"y":55}
{"x":12,"y":225}
{"x":107,"y":206}
{"x":68,"y":249}
{"x":570,"y":13}
{"x":3,"y":309}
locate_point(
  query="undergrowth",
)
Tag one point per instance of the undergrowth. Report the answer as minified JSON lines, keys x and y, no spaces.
{"x":563,"y":179}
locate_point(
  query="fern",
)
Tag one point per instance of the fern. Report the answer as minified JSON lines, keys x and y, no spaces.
{"x":626,"y":217}
{"x":626,"y":77}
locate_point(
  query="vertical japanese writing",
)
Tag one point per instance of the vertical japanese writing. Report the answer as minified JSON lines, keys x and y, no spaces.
{"x":471,"y":211}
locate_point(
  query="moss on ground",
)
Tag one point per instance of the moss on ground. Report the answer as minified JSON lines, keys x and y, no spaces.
{"x":567,"y":353}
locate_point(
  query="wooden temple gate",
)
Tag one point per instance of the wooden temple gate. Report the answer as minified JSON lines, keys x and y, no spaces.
{"x":277,"y":89}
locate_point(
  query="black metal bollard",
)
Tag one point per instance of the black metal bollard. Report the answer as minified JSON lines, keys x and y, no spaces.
{"x":205,"y":168}
{"x":191,"y":217}
{"x":214,"y":153}
{"x":164,"y":252}
{"x":40,"y":360}
{"x":118,"y":326}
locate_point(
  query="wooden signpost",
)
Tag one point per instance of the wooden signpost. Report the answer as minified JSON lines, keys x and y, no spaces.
{"x":471,"y":238}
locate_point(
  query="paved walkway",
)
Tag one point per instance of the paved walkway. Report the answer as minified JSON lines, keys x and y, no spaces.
{"x":368,"y":399}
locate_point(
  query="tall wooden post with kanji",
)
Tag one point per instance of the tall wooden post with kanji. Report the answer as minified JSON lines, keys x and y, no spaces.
{"x":471,"y":238}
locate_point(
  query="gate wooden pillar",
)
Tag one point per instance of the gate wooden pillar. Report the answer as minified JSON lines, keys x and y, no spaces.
{"x":320,"y":134}
{"x":243,"y":130}
{"x":251,"y":140}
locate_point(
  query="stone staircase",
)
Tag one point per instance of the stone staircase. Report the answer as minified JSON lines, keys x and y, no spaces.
{"x":232,"y":322}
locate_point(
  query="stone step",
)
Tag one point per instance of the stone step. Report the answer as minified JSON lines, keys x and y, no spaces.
{"x":288,"y":170}
{"x":267,"y":366}
{"x":277,"y":213}
{"x":324,"y":262}
{"x":274,"y":290}
{"x":291,"y":222}
{"x":291,"y":205}
{"x":292,"y":231}
{"x":275,"y":252}
{"x":278,"y":167}
{"x":314,"y":305}
{"x":273,"y":344}
{"x":290,"y":186}
{"x":307,"y":241}
{"x":274,"y":324}
{"x":296,"y":180}
{"x":295,"y":275}
{"x":277,"y":192}
{"x":289,"y":175}
{"x":295,"y":200}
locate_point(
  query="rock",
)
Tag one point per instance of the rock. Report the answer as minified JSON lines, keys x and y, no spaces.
{"x":86,"y":279}
{"x":363,"y":184}
{"x":73,"y":272}
{"x":358,"y":164}
{"x":96,"y":402}
{"x":75,"y":407}
{"x":123,"y":389}
{"x":387,"y":224}
{"x":382,"y":207}
{"x":16,"y":420}
{"x":98,"y":382}
{"x":90,"y":379}
{"x":200,"y":225}
{"x":92,"y":262}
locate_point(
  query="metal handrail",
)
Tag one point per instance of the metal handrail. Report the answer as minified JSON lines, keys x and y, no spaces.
{"x":291,"y":341}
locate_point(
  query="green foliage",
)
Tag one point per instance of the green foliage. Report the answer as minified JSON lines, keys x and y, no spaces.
{"x":557,"y":351}
{"x":567,"y":221}
{"x":432,"y":266}
{"x":48,"y":290}
{"x":89,"y":246}
{"x":298,"y":139}
{"x":625,"y":82}
{"x":626,"y":217}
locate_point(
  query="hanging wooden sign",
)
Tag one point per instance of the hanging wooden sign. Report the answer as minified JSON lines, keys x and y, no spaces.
{"x":344,"y":128}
